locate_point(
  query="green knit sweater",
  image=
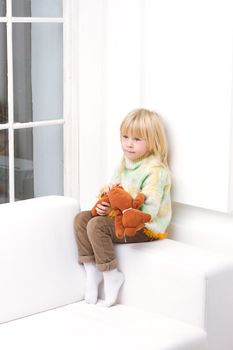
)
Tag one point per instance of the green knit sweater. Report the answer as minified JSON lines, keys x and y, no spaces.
{"x":153,"y":179}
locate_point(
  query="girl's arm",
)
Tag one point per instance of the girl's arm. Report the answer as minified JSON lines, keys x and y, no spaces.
{"x":154,"y":188}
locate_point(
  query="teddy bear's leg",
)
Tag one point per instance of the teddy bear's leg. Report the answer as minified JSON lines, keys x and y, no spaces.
{"x":133,"y":220}
{"x":119,"y":228}
{"x":130,"y":231}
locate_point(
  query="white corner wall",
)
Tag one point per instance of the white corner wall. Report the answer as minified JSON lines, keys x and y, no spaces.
{"x":176,"y":58}
{"x":91,"y":88}
{"x":123,"y":70}
{"x":188,"y":78}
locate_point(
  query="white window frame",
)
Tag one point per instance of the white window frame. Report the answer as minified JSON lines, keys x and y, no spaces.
{"x":70,"y":109}
{"x":71,"y":102}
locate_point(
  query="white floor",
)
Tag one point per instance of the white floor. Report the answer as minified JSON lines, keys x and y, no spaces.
{"x":81,"y":326}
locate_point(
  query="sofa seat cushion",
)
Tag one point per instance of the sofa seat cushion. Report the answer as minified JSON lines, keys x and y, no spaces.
{"x":86,"y":327}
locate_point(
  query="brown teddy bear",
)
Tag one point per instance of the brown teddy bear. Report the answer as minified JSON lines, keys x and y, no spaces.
{"x":128,"y":219}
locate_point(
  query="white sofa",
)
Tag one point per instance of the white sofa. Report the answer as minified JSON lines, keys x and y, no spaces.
{"x":175,"y":296}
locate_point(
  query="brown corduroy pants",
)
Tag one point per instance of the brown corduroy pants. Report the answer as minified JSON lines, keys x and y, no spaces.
{"x":95,"y":237}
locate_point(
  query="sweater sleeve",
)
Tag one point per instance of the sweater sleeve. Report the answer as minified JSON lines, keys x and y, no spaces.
{"x":153,"y":188}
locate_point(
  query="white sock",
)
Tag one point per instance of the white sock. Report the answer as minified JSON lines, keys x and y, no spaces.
{"x":113,"y":281}
{"x":93,"y":280}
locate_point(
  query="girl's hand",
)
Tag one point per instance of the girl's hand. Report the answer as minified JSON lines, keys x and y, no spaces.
{"x":103,"y":208}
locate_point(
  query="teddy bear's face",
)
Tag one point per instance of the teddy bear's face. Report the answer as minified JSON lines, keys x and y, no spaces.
{"x":119,"y":198}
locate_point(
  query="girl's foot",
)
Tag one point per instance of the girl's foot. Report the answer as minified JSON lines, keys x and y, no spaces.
{"x":93,"y":279}
{"x":113,"y":281}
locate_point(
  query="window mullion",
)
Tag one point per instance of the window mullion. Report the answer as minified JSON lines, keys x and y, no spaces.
{"x":71,"y":110}
{"x":4,"y":126}
{"x":37,"y":19}
{"x":10,"y":102}
{"x":38,"y":123}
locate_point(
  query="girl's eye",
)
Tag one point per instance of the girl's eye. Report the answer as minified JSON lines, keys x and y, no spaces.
{"x":125,"y":137}
{"x":137,"y":139}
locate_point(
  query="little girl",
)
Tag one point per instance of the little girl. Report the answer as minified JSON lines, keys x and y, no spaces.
{"x":144,"y":168}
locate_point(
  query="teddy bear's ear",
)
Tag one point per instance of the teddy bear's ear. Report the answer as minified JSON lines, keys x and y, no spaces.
{"x":93,"y":210}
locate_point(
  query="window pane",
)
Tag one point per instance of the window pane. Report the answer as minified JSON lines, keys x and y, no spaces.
{"x":38,"y":162}
{"x":2,"y":8}
{"x":4,"y":167}
{"x":37,"y":8}
{"x":3,"y":75}
{"x":38,"y":71}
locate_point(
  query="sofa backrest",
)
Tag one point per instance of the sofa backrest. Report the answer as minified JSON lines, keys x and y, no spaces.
{"x":38,"y":256}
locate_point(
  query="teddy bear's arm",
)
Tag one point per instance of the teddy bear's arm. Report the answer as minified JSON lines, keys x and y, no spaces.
{"x":138,"y":200}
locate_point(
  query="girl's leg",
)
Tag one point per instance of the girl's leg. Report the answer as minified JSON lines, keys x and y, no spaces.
{"x":113,"y":279}
{"x":86,"y":256}
{"x":85,"y":251}
{"x":95,"y":238}
{"x":100,"y":231}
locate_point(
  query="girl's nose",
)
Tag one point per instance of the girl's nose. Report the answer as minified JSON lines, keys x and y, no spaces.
{"x":129,"y":142}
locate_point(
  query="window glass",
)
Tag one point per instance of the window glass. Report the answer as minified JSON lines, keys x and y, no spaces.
{"x":37,"y":8}
{"x":3,"y":75}
{"x":2,"y":8}
{"x":38,"y":71}
{"x":38,"y":162}
{"x":4,"y":167}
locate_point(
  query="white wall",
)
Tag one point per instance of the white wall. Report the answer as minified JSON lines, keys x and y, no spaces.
{"x":189,"y":79}
{"x":109,"y":86}
{"x":123,"y":70}
{"x":175,"y":57}
{"x":203,"y":228}
{"x":91,"y":95}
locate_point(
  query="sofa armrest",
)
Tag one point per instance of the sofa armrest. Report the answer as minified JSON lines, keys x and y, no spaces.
{"x":38,"y":256}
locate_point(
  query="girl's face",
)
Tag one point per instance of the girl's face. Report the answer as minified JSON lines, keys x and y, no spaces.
{"x":133,"y":147}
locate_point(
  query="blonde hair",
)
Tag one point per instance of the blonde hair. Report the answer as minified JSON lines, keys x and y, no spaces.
{"x":148,"y":125}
